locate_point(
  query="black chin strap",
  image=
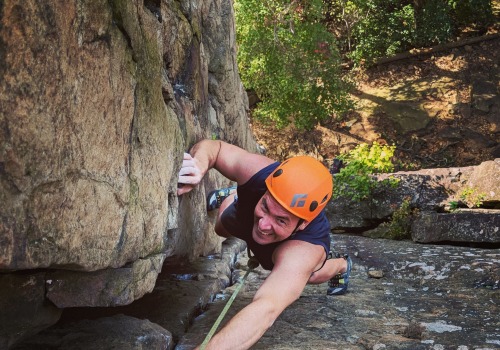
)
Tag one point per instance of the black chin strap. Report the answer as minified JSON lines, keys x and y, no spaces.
{"x":301,"y":221}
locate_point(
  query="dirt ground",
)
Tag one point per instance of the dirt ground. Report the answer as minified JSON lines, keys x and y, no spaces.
{"x":453,"y":103}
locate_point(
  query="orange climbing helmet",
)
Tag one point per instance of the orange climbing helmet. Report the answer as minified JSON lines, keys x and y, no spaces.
{"x":302,"y":185}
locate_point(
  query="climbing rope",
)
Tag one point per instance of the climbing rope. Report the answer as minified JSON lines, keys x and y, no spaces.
{"x":252,"y":264}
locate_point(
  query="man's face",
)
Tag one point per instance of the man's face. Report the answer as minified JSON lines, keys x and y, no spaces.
{"x":272,"y":223}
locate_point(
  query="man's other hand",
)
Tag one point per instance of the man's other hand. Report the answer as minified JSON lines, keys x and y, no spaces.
{"x":189,"y":175}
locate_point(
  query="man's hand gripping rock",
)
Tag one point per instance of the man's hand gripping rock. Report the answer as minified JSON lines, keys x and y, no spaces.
{"x":190,"y":175}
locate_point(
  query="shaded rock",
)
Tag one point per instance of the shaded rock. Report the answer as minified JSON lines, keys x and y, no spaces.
{"x":494,"y":117}
{"x":495,"y":152}
{"x":407,"y":117}
{"x":253,"y":99}
{"x":182,"y":291}
{"x":346,"y":214}
{"x":25,"y":311}
{"x":461,"y":226}
{"x":397,"y":104}
{"x":381,"y":231}
{"x":414,"y":331}
{"x":117,"y":332}
{"x":452,"y":134}
{"x":108,"y":287}
{"x":484,"y":94}
{"x":477,"y":140}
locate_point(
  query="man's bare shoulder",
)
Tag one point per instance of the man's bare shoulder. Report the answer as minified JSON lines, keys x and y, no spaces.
{"x":299,"y":256}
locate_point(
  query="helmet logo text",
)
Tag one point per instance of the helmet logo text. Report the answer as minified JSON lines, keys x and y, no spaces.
{"x":298,"y":200}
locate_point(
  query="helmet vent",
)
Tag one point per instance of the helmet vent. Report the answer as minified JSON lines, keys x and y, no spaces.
{"x":324,"y":199}
{"x":313,"y":206}
{"x":278,"y":172}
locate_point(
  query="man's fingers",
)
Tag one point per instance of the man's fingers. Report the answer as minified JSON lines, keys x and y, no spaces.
{"x":189,"y":175}
{"x":188,"y":179}
{"x":184,"y":189}
{"x":189,"y":171}
{"x":188,"y":163}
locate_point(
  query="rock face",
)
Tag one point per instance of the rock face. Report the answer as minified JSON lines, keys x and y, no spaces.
{"x":402,"y":295}
{"x":98,"y":102}
{"x":183,"y":289}
{"x":25,"y":309}
{"x":444,"y":201}
{"x":119,"y":332}
{"x":482,"y":226}
{"x":423,"y":297}
{"x":106,"y":287}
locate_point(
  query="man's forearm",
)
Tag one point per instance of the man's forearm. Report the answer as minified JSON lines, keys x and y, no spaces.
{"x":294,"y":262}
{"x":246,"y":328}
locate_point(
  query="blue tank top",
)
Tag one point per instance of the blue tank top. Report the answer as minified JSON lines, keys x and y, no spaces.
{"x":249,"y":194}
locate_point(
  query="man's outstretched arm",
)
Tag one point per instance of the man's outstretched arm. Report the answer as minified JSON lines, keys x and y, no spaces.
{"x":231,"y":161}
{"x":294,"y":263}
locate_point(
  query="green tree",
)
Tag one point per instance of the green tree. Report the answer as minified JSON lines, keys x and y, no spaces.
{"x":286,"y":55}
{"x":387,"y":27}
{"x":369,"y":29}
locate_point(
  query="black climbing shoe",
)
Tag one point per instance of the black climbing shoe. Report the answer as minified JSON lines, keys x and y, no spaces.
{"x":215,"y":198}
{"x":338,"y":284}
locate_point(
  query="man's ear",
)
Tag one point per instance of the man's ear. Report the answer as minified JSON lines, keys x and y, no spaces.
{"x":303,"y":225}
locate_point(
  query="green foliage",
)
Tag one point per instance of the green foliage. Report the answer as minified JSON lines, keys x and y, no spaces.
{"x":286,"y":55}
{"x":467,"y":198}
{"x":341,"y":17}
{"x":433,"y":23}
{"x":288,"y":50}
{"x":478,"y":13}
{"x":454,"y":205}
{"x":400,"y":225}
{"x":369,"y":29}
{"x":387,"y":28}
{"x":354,"y":181}
{"x":470,"y":197}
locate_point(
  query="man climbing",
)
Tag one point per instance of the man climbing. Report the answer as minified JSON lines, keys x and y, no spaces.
{"x":277,"y":209}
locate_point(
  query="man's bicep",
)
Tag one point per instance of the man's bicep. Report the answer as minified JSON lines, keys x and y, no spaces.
{"x":238,"y":164}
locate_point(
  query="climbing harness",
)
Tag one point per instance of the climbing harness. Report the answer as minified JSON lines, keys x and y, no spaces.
{"x":252,"y":264}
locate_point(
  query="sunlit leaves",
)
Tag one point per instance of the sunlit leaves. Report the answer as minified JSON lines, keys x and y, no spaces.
{"x":291,"y":61}
{"x":355,"y":180}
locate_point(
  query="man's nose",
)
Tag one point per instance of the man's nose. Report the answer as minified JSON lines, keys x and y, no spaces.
{"x":264,"y":223}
